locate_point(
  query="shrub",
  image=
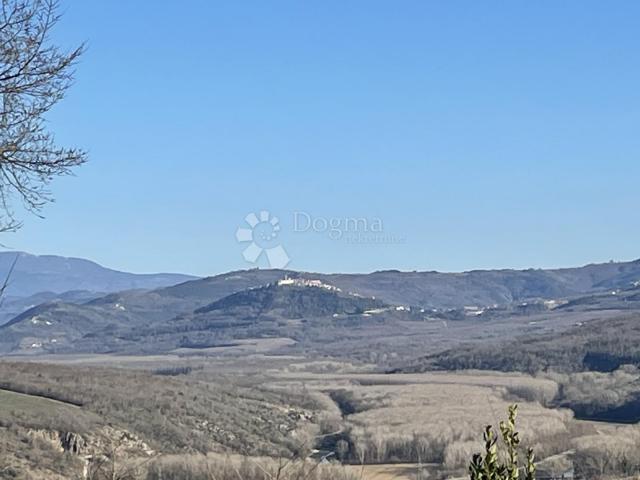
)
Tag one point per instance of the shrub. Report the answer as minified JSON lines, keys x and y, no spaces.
{"x":490,"y":466}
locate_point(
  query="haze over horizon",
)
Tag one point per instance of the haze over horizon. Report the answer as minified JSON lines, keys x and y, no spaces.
{"x":479,"y":137}
{"x":251,"y":267}
{"x":319,"y":240}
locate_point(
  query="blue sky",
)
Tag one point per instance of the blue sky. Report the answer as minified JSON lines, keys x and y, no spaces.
{"x":481,"y":134}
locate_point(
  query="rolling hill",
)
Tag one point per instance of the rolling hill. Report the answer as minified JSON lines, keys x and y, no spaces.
{"x":605,"y":335}
{"x":310,"y":308}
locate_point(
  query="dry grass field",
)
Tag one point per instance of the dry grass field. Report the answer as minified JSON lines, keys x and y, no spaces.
{"x":390,"y":422}
{"x":435,"y":417}
{"x":398,"y":471}
{"x":23,"y":444}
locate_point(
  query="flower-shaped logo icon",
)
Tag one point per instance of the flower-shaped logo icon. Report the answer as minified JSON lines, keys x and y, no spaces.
{"x":262,"y":232}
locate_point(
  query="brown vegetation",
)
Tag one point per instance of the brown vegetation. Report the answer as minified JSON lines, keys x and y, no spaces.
{"x":283,"y":409}
{"x":173,"y":414}
{"x":203,"y":468}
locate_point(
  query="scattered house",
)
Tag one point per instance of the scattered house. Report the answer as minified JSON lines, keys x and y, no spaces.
{"x":303,"y":282}
{"x":473,"y":311}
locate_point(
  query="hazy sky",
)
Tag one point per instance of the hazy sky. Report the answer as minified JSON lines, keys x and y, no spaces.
{"x":460,"y":134}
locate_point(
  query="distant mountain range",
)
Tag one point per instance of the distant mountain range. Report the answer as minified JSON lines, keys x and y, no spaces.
{"x":36,"y":279}
{"x":308,"y":308}
{"x":34,"y":274}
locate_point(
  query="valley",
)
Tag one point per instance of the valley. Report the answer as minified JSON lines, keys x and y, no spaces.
{"x":269,"y":366}
{"x":322,"y":240}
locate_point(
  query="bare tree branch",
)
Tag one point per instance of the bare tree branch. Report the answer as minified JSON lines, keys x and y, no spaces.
{"x":7,"y":279}
{"x":34,"y":76}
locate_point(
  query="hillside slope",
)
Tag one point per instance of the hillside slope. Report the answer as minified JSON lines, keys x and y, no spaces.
{"x":487,"y":287}
{"x":602,"y":343}
{"x":273,"y":303}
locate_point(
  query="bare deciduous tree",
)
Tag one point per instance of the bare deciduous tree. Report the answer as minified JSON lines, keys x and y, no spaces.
{"x":34,"y":76}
